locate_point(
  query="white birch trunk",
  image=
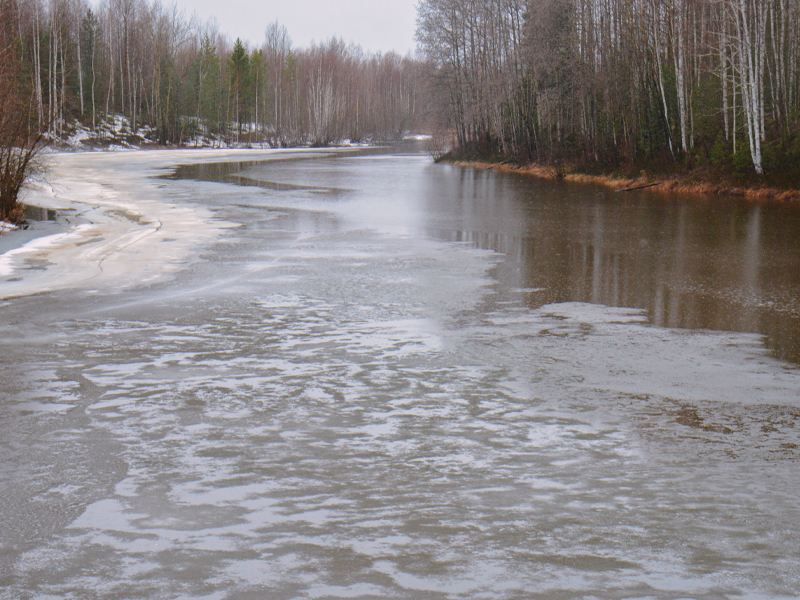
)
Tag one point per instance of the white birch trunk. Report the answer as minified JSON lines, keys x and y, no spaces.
{"x":751,"y":94}
{"x":37,"y":52}
{"x":657,"y":41}
{"x":80,"y":73}
{"x":723,"y":51}
{"x":680,"y":72}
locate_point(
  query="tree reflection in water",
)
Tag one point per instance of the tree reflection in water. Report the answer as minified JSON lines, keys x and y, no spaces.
{"x":693,"y":262}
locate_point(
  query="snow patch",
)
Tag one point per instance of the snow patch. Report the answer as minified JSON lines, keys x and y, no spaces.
{"x":35,"y":246}
{"x":417,"y":137}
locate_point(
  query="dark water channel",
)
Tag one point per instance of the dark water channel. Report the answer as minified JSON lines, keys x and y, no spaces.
{"x":390,"y":379}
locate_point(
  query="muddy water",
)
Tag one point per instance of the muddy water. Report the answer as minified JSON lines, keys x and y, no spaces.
{"x":398,"y":380}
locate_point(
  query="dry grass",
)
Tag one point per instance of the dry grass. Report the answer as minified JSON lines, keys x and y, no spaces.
{"x":673,"y":185}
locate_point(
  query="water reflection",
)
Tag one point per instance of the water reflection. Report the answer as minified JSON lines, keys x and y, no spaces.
{"x":227,"y":172}
{"x":37,"y":213}
{"x":694,"y":263}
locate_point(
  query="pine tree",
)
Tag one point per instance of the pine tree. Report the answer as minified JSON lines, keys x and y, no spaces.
{"x":208,"y":100}
{"x":238,"y":73}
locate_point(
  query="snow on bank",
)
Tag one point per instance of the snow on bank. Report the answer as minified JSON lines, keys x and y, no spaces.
{"x":5,"y":226}
{"x":39,"y":246}
{"x":120,"y":224}
{"x":113,"y":133}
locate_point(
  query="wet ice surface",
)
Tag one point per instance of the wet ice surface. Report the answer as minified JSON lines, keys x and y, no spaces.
{"x":331,"y":403}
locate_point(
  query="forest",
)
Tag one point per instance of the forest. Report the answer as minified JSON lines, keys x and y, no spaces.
{"x":179,"y":79}
{"x":701,"y":86}
{"x":706,"y":88}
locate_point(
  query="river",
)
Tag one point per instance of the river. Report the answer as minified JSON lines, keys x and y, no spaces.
{"x":362,"y":375}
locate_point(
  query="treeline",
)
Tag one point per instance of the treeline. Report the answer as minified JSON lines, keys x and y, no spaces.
{"x":150,"y":63}
{"x":609,"y":83}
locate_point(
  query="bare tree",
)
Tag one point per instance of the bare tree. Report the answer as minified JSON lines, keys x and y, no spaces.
{"x":617,"y":82}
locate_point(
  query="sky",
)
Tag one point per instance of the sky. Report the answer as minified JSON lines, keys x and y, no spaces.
{"x":375,"y":25}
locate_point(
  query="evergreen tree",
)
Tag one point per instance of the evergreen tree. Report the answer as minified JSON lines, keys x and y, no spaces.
{"x":209,"y":97}
{"x":238,"y":74}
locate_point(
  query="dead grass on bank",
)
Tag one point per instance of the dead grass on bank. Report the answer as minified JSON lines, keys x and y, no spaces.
{"x":672,"y":185}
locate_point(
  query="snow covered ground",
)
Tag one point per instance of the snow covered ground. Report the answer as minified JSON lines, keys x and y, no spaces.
{"x":116,"y":133}
{"x":115,"y":227}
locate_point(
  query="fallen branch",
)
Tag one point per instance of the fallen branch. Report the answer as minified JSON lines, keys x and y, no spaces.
{"x":640,"y":187}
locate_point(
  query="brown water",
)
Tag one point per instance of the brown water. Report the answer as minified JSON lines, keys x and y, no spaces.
{"x":401,"y":380}
{"x":691,"y":262}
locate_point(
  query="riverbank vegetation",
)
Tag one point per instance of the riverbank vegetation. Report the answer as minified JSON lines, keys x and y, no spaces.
{"x":637,"y":89}
{"x":183,"y":82}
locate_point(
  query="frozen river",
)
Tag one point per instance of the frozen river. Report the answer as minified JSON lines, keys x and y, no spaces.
{"x":354,"y":375}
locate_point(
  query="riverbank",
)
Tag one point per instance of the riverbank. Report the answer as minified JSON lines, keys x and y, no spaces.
{"x":672,"y":184}
{"x":116,"y":224}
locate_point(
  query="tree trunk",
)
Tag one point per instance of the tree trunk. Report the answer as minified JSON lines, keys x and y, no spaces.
{"x":80,"y":73}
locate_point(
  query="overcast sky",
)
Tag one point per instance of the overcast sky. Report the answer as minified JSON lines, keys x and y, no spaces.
{"x":375,"y":25}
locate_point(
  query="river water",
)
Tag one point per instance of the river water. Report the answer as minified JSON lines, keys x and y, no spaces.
{"x":390,"y":379}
